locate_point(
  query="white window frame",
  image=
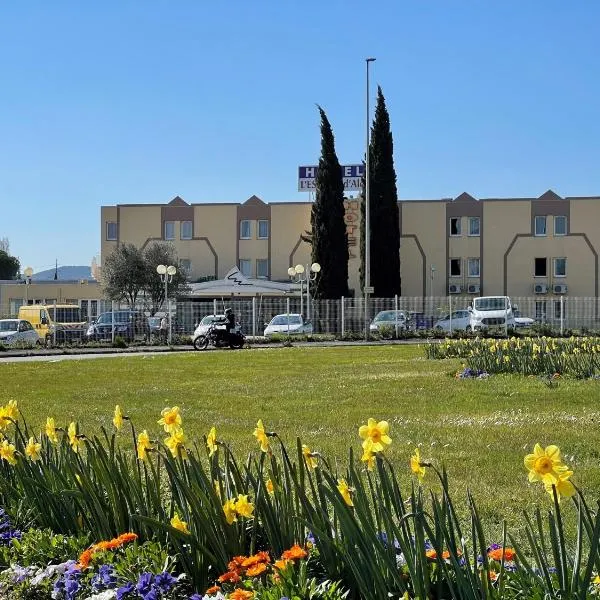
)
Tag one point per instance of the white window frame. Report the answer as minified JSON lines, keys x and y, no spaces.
{"x":265,"y":223}
{"x":184,"y":235}
{"x":555,"y":264}
{"x":473,"y":261}
{"x":243,"y":224}
{"x":245,"y":267}
{"x":540,"y":219}
{"x":540,"y":258}
{"x":263,"y":262}
{"x":559,"y":219}
{"x":169,"y":225}
{"x":459,"y":267}
{"x":472,"y":221}
{"x":458,"y":226}
{"x":110,"y":238}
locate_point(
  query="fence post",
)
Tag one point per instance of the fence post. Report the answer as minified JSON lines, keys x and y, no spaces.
{"x":253,"y":316}
{"x":450,"y":313}
{"x":396,"y":314}
{"x":112,"y":321}
{"x":343,"y":323}
{"x":287,"y":305}
{"x":562,"y":314}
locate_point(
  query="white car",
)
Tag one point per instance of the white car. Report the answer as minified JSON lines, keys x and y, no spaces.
{"x":459,"y":322}
{"x":293,"y":324}
{"x":17,"y":331}
{"x":488,"y":312}
{"x":388,"y":318}
{"x":522,"y":321}
{"x":205,"y":323}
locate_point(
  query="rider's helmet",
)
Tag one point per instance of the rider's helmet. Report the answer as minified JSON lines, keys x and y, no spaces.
{"x":228,"y":311}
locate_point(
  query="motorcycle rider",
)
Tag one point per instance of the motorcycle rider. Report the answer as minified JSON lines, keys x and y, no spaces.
{"x":229,"y":321}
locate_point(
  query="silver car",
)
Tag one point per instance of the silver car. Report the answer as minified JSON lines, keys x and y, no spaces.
{"x":18,"y":331}
{"x":388,"y":319}
{"x":292,"y":324}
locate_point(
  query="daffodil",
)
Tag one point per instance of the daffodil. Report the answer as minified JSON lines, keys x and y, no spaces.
{"x":143,"y":445}
{"x":170,"y":419}
{"x":9,"y":413}
{"x":544,"y":464}
{"x":368,"y":455}
{"x":344,"y":490}
{"x":118,"y":417}
{"x":270,"y":486}
{"x":177,"y":523}
{"x":261,"y":435}
{"x":51,"y":430}
{"x":176,"y":443}
{"x":243,"y":507}
{"x":32,"y":449}
{"x":230,"y":512}
{"x":74,"y":439}
{"x":563,"y":486}
{"x":7,"y":452}
{"x":309,"y":457}
{"x":376,"y":433}
{"x":416,"y":466}
{"x":211,"y":441}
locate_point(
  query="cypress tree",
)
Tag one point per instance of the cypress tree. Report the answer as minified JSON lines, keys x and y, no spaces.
{"x":329,"y":237}
{"x":383,"y":205}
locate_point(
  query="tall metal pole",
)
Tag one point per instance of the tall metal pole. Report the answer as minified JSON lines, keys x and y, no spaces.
{"x":307,"y":292}
{"x":367,"y":223}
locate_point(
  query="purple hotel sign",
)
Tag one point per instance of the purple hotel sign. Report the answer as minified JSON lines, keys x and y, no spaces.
{"x":351,"y":175}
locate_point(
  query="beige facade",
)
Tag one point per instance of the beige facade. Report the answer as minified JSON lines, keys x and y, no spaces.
{"x":546,"y":246}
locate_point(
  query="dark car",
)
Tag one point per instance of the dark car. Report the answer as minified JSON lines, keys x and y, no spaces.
{"x":128,"y":324}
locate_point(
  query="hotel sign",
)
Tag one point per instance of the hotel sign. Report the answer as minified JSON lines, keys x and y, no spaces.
{"x":352,"y":176}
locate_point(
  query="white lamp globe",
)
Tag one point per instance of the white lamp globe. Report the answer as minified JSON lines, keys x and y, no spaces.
{"x":161,"y":269}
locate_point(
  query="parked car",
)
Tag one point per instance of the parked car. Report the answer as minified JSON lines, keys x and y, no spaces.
{"x":489,"y":312}
{"x":18,"y":331}
{"x":205,"y":323}
{"x":389,"y":318}
{"x":128,"y":324}
{"x":459,"y":320}
{"x":294,"y":324}
{"x":522,"y":321}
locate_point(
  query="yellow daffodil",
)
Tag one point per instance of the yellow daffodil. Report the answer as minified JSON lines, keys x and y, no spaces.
{"x":596,"y":580}
{"x":243,"y":507}
{"x":74,"y":439}
{"x":211,"y":441}
{"x":563,"y":486}
{"x":344,"y":490}
{"x":261,"y":435}
{"x":176,"y":443}
{"x":9,"y":413}
{"x":32,"y":449}
{"x":544,"y":463}
{"x":230,"y":512}
{"x":270,"y":487}
{"x":7,"y":452}
{"x":51,"y":430}
{"x":368,"y":455}
{"x":177,"y":523}
{"x":217,"y":488}
{"x":309,"y":457}
{"x":143,"y":445}
{"x":118,"y":417}
{"x":171,"y":419}
{"x":375,"y":432}
{"x":416,"y":466}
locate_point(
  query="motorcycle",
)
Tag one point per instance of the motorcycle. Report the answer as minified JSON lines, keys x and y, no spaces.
{"x":217,"y":337}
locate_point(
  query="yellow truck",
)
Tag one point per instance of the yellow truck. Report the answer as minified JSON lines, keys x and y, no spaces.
{"x":59,"y":323}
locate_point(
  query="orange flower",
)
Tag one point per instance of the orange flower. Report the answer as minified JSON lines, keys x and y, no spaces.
{"x":431,"y":553}
{"x":235,"y":564}
{"x":212,"y":590}
{"x":84,"y":559}
{"x":256,"y":570}
{"x":496,"y":554}
{"x":281,"y":564}
{"x":259,"y":557}
{"x":86,"y":556}
{"x":294,"y":553}
{"x":124,"y":538}
{"x":239,"y":594}
{"x":231,"y":576}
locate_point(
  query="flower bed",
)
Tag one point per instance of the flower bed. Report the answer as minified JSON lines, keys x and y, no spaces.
{"x":128,"y":515}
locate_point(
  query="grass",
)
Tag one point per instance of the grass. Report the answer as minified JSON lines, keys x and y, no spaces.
{"x":480,"y":429}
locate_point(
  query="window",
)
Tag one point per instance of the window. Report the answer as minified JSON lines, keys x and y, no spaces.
{"x":262,"y":267}
{"x":540,"y":225}
{"x":169,"y":230}
{"x":541,"y":307}
{"x":111,"y":232}
{"x":263,"y":230}
{"x":246,"y":265}
{"x":559,"y":267}
{"x":560,"y":309}
{"x":455,"y":267}
{"x":186,"y":265}
{"x":455,"y":226}
{"x":474,"y":226}
{"x":473,"y":267}
{"x":560,"y":225}
{"x":540,"y":267}
{"x":245,"y":230}
{"x":186,"y":230}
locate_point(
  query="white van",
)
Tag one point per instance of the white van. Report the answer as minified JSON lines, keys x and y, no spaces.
{"x":491,"y":311}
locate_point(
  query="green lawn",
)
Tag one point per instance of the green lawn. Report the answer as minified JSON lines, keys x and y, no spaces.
{"x":480,"y":429}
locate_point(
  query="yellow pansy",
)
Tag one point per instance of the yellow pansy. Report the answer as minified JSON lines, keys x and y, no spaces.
{"x":211,"y":441}
{"x":32,"y":449}
{"x":416,"y":466}
{"x":74,"y":439}
{"x":243,"y":507}
{"x":309,"y":457}
{"x":170,"y":419}
{"x":376,"y":433}
{"x":7,"y":452}
{"x":118,"y":417}
{"x":230,"y":512}
{"x":51,"y":430}
{"x":344,"y":490}
{"x":261,"y":435}
{"x":143,"y":445}
{"x":177,"y":523}
{"x":175,"y":443}
{"x":544,"y":463}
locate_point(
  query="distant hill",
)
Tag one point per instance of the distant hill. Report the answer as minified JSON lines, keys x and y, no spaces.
{"x":64,"y":273}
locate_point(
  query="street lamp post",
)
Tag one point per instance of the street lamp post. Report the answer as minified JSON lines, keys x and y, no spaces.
{"x":28,"y":272}
{"x":166,"y":275}
{"x":305,"y":274}
{"x":367,"y":223}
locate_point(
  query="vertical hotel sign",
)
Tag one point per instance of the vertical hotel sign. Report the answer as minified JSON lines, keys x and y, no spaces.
{"x":352,"y":176}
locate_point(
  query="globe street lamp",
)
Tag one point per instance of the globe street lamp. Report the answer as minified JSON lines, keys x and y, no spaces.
{"x":28,"y":272}
{"x":305,"y":274}
{"x":166,"y":275}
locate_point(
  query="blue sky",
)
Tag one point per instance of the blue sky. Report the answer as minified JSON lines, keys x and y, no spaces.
{"x":137,"y":101}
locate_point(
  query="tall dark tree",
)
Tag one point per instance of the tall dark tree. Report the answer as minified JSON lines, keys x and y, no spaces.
{"x":329,"y":237}
{"x":383,"y":205}
{"x":9,"y":265}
